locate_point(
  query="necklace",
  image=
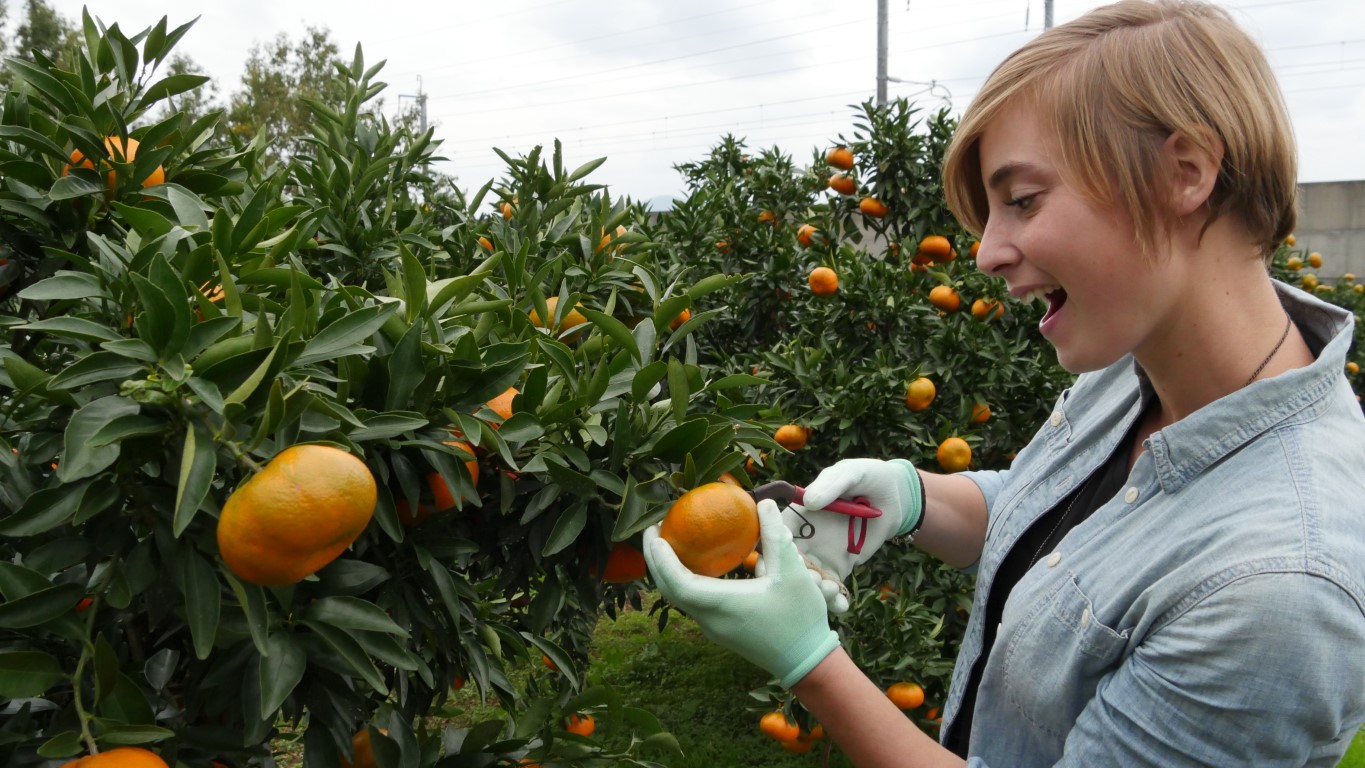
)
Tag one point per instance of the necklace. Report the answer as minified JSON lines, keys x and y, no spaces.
{"x":1278,"y":344}
{"x":1065,"y":514}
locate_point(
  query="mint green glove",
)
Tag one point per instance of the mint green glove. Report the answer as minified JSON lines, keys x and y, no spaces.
{"x":776,"y":621}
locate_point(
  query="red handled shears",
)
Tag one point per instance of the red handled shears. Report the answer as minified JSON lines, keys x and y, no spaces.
{"x":858,"y":511}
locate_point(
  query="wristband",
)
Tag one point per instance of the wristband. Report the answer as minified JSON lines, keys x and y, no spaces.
{"x":914,"y":516}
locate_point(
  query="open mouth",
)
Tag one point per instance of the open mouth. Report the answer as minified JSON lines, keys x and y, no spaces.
{"x":1055,"y":298}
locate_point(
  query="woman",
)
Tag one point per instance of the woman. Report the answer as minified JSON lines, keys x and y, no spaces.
{"x":1172,"y":572}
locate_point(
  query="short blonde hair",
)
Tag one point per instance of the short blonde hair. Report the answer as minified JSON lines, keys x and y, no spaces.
{"x":1113,"y":85}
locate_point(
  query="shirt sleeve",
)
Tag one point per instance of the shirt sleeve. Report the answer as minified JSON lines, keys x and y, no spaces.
{"x":1266,"y":670}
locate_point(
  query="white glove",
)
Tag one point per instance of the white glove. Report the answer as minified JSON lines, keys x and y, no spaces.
{"x":892,"y":486}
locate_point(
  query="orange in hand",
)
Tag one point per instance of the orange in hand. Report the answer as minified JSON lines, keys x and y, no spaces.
{"x":119,"y":757}
{"x":712,"y":528}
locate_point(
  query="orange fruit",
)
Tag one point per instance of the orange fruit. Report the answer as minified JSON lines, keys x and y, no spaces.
{"x":1358,"y":288}
{"x":804,"y":233}
{"x":119,"y":757}
{"x":981,"y":413}
{"x":791,"y":436}
{"x":297,"y":515}
{"x":726,"y":477}
{"x":1348,"y":278}
{"x":920,"y":393}
{"x":502,"y":404}
{"x":752,"y":467}
{"x":817,"y":733}
{"x":751,"y":561}
{"x":486,"y":243}
{"x":682,"y":317}
{"x":712,"y":528}
{"x":798,"y":746}
{"x":871,"y":206}
{"x":936,"y":248}
{"x":776,"y":725}
{"x":843,"y":184}
{"x":607,"y":238}
{"x":115,"y":147}
{"x":548,"y":662}
{"x":583,"y":725}
{"x":362,"y":752}
{"x":1309,"y":281}
{"x":1289,"y":240}
{"x":85,"y":602}
{"x":954,"y":455}
{"x":506,"y":209}
{"x":945,"y":298}
{"x":905,"y":695}
{"x":840,"y":158}
{"x":976,"y":246}
{"x":1315,"y":260}
{"x":457,"y":683}
{"x":1294,"y":264}
{"x":886,"y":591}
{"x":768,"y":217}
{"x":987,"y":309}
{"x":441,"y":494}
{"x":722,"y":246}
{"x":572,"y":318}
{"x":823,"y":281}
{"x":625,"y":563}
{"x":1352,"y":368}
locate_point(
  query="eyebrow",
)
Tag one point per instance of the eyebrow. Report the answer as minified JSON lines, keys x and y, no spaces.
{"x":1003,"y":174}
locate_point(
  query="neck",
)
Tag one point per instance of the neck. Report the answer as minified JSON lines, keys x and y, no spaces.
{"x":1224,"y":323}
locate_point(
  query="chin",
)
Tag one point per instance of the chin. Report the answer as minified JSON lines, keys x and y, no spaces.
{"x":1085,"y":361}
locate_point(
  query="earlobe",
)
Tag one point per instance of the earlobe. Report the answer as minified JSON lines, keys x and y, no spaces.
{"x":1194,"y":171}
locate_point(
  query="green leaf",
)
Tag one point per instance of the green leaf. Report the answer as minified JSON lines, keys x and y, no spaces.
{"x":132,"y":425}
{"x":680,"y":440}
{"x":678,"y":388}
{"x":26,"y":674}
{"x":353,"y":613}
{"x":614,"y":328}
{"x":40,"y":607}
{"x":173,"y":85}
{"x":344,"y":335}
{"x":405,"y":368}
{"x":203,"y":601}
{"x":95,"y":367}
{"x":381,"y":426}
{"x":81,"y":460}
{"x":198,"y":464}
{"x":156,"y":323}
{"x":350,"y":652}
{"x":44,"y":510}
{"x":64,"y":744}
{"x":631,"y":519}
{"x":566,"y":529}
{"x":646,"y":378}
{"x":281,"y":671}
{"x":248,"y":387}
{"x":74,"y":185}
{"x":72,"y":328}
{"x":134,"y":734}
{"x":252,"y":600}
{"x":64,"y":285}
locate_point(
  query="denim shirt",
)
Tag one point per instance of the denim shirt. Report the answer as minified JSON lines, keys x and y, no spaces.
{"x":1213,"y":612}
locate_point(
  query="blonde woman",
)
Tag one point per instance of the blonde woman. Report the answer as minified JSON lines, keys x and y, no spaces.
{"x":1172,"y":572}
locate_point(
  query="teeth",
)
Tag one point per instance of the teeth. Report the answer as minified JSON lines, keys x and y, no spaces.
{"x":1038,"y":294}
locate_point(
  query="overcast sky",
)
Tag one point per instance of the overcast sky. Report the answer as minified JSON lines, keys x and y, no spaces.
{"x":649,"y":83}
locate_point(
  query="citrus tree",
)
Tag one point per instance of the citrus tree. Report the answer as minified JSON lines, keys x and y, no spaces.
{"x":307,"y":446}
{"x":1298,"y":265}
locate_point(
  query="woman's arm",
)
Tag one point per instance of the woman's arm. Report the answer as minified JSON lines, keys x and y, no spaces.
{"x":863,"y":721}
{"x":954,"y":528}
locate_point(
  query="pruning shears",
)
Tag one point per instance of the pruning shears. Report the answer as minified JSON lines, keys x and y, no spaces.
{"x":858,"y":511}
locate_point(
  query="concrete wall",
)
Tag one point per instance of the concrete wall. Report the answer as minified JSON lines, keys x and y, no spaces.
{"x":1332,"y":222}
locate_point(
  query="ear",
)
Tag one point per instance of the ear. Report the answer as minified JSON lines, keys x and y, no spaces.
{"x":1193,"y":169}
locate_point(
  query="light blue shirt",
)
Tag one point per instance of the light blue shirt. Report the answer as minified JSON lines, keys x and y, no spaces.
{"x":1213,"y":612}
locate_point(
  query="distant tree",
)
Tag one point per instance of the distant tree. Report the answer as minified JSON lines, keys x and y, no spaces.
{"x":45,"y":32}
{"x":279,"y":75}
{"x":195,"y":103}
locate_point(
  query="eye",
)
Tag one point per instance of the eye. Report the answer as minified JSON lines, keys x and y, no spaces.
{"x":1023,"y":202}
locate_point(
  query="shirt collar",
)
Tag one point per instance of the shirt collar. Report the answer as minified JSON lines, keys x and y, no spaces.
{"x":1184,"y":449}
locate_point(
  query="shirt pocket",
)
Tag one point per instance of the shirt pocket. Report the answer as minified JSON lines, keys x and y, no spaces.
{"x":1055,"y":658}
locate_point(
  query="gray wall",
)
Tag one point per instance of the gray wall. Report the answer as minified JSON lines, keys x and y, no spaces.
{"x":1332,"y":222}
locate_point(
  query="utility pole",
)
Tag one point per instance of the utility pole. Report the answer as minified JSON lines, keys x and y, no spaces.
{"x":881,"y":50}
{"x":421,"y":98}
{"x":1047,"y":14}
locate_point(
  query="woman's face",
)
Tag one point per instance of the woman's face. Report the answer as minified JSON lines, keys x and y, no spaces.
{"x":1047,"y":240}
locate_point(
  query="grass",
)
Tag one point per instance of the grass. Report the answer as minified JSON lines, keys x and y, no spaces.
{"x":700,"y":692}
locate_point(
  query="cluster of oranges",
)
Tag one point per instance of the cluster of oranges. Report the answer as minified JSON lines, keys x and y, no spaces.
{"x":789,"y":734}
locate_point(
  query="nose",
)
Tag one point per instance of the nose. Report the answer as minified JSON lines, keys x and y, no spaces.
{"x":995,"y":255}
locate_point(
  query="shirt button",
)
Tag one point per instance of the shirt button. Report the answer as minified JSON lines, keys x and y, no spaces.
{"x":1131,"y":495}
{"x":1056,"y":418}
{"x":1085,"y":618}
{"x":1053,"y":559}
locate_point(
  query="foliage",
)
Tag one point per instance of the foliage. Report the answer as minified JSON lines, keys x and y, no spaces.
{"x":1294,"y":266}
{"x":163,"y":342}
